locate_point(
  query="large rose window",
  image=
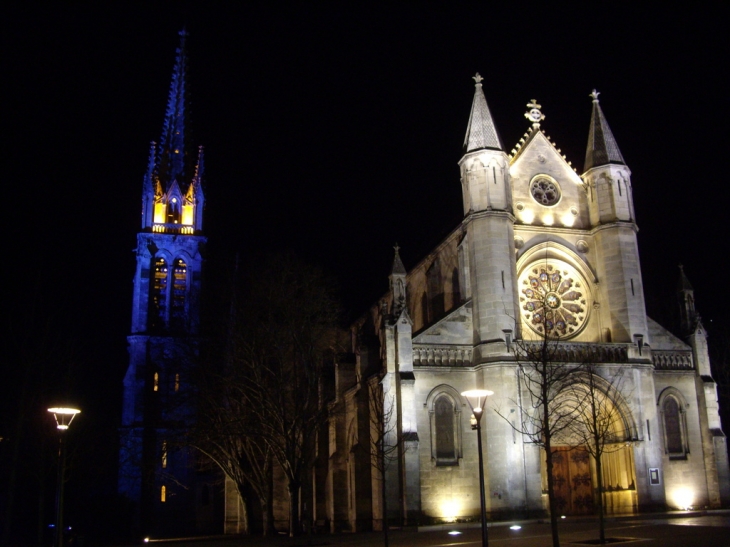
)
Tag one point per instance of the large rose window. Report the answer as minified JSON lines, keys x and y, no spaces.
{"x":553,"y":299}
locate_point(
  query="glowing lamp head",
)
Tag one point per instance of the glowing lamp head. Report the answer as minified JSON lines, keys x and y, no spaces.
{"x":64,"y":416}
{"x":475,"y":397}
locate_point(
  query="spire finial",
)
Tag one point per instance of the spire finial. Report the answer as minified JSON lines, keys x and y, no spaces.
{"x":594,"y":94}
{"x":534,"y":114}
{"x":396,"y":247}
{"x":477,"y":78}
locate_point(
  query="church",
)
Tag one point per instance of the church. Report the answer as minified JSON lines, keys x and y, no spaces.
{"x":543,"y":253}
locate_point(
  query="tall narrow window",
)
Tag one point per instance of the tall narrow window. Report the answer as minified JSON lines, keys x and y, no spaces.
{"x":164,"y":454}
{"x":156,"y":382}
{"x":179,"y":291}
{"x":177,"y":382}
{"x":163,"y":494}
{"x":444,"y":409}
{"x":158,"y":296}
{"x":435,"y":289}
{"x":445,"y":418}
{"x":672,"y":426}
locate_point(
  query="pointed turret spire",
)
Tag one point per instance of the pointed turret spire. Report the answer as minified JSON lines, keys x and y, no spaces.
{"x":481,"y":132}
{"x":172,"y":145}
{"x":602,"y":148}
{"x":398,"y":283}
{"x":149,"y":176}
{"x":687,"y":312}
{"x":398,"y":267}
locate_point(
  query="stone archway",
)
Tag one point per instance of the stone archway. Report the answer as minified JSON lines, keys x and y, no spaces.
{"x":574,"y":467}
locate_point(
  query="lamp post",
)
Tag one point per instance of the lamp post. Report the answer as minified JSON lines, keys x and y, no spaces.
{"x":63,"y":417}
{"x":475,"y":398}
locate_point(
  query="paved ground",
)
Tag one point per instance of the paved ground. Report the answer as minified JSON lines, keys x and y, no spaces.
{"x":707,"y":529}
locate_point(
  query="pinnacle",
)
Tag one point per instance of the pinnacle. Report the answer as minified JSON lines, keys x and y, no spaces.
{"x":398,"y":267}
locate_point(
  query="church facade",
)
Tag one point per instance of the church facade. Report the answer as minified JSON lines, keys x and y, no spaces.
{"x":543,"y":255}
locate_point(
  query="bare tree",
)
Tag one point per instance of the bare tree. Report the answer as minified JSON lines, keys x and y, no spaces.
{"x":598,"y":423}
{"x":386,"y":446}
{"x":227,"y":432}
{"x":283,"y":336}
{"x":542,"y":374}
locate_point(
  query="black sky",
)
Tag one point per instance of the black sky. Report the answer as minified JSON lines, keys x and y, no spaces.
{"x":335,"y":130}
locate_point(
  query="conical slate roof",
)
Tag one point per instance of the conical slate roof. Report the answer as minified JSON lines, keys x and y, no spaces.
{"x":481,"y":132}
{"x":602,"y":148}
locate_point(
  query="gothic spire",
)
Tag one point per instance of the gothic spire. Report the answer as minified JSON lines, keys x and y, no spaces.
{"x":398,"y":267}
{"x":172,"y":144}
{"x":481,"y":132}
{"x":687,"y":313}
{"x":602,"y":148}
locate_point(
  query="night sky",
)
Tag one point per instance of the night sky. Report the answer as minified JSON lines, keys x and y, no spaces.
{"x":333,"y":131}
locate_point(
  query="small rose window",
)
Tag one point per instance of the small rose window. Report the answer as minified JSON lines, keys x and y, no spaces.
{"x":545,"y":190}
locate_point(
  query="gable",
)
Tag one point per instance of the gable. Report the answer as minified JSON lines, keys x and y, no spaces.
{"x":538,"y":164}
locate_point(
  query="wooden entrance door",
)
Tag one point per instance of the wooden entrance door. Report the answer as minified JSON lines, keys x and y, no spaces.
{"x":572,"y":481}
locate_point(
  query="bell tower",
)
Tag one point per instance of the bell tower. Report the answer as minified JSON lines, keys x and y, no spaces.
{"x":155,"y":471}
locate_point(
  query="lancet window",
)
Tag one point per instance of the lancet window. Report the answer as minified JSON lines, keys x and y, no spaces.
{"x":445,"y":417}
{"x":179,"y":291}
{"x":158,"y":296}
{"x":674,"y":424}
{"x":168,"y":295}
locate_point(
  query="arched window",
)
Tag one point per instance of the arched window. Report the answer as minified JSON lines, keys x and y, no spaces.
{"x":156,"y":382}
{"x":674,"y":424}
{"x":455,"y":287}
{"x":173,"y":211}
{"x":444,"y":406}
{"x":179,"y":291}
{"x":435,"y":289}
{"x":158,"y":295}
{"x":444,"y":423}
{"x":163,"y":494}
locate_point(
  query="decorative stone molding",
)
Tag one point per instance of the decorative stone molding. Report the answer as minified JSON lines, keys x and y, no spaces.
{"x":442,"y":355}
{"x":673,"y":360}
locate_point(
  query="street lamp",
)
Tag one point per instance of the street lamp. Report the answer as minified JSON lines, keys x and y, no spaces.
{"x":475,"y":398}
{"x":63,"y":417}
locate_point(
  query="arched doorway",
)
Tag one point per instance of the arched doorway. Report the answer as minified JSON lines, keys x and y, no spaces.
{"x":601,"y":416}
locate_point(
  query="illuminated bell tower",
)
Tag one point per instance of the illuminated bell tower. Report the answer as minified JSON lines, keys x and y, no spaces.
{"x":155,"y":474}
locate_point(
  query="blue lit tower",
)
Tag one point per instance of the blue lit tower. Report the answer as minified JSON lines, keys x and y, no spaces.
{"x":156,"y":473}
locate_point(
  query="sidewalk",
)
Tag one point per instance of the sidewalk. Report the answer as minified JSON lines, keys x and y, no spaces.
{"x":670,"y":529}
